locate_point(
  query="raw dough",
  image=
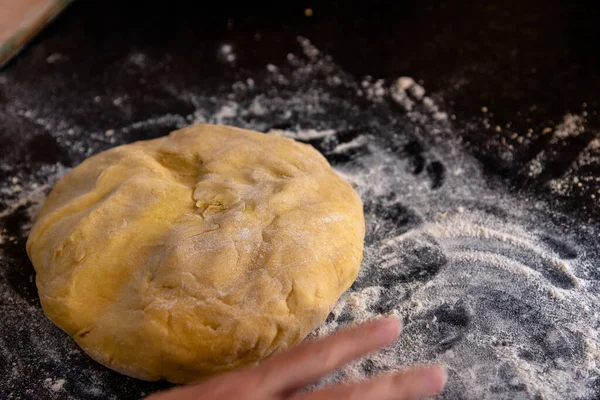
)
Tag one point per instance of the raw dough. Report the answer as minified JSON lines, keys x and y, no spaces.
{"x":200,"y":252}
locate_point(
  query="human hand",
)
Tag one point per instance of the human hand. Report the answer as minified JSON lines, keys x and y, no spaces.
{"x":285,"y":375}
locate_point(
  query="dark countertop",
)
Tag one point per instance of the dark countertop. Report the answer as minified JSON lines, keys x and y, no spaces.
{"x":529,"y":63}
{"x":508,"y":74}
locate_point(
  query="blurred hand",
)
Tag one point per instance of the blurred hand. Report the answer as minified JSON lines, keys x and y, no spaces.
{"x":285,"y":375}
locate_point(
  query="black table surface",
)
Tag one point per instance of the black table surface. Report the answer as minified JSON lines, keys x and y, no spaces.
{"x":499,"y":68}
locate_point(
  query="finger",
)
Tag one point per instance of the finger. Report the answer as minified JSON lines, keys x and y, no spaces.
{"x":413,"y":384}
{"x":234,"y":385}
{"x":314,"y":359}
{"x":179,"y":393}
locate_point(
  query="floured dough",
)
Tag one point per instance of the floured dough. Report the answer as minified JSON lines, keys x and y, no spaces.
{"x":203,"y":251}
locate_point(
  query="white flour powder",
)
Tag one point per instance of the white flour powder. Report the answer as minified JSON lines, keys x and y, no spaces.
{"x":494,"y":285}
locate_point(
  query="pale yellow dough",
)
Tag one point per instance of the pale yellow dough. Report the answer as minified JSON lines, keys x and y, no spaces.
{"x":200,"y":252}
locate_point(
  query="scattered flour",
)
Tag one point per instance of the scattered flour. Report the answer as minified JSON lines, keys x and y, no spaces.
{"x":489,"y":283}
{"x":571,"y":125}
{"x":357,"y":142}
{"x":307,"y":134}
{"x":226,"y":53}
{"x":54,"y":385}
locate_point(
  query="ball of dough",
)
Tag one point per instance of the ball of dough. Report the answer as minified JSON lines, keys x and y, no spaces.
{"x":203,"y":251}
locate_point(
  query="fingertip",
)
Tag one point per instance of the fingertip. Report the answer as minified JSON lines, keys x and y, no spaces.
{"x":389,"y":329}
{"x":393,"y":317}
{"x":443,"y":375}
{"x":397,"y":322}
{"x":433,"y":379}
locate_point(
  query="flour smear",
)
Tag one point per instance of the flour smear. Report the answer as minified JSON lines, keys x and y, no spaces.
{"x":495,"y":285}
